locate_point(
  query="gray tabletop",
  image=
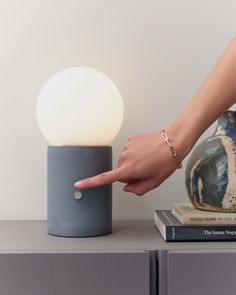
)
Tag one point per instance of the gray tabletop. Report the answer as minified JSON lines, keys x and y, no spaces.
{"x":127,"y":236}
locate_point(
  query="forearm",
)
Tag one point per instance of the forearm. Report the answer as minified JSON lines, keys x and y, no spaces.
{"x":215,"y":96}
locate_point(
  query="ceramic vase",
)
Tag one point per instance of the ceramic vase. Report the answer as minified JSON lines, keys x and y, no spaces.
{"x":210,"y":174}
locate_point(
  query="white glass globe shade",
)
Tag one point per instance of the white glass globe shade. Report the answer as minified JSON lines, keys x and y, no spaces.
{"x":80,"y":106}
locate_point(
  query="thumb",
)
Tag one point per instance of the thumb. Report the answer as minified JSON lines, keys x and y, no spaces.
{"x":140,"y":187}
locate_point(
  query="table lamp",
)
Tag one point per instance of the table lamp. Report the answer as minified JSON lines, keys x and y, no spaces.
{"x":79,"y":111}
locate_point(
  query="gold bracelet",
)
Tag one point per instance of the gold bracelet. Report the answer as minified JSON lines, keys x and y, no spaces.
{"x":172,"y":149}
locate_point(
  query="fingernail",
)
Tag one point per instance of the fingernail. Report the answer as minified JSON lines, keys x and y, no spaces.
{"x":78,"y":184}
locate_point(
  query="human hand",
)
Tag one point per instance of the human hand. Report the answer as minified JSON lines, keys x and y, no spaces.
{"x":144,"y":164}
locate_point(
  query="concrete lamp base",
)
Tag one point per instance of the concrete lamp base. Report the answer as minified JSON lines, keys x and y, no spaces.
{"x":73,"y":213}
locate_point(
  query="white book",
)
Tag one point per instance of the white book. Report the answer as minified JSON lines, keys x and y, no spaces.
{"x":186,"y":213}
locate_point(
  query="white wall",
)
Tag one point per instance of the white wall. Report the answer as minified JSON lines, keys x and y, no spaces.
{"x":157,"y":52}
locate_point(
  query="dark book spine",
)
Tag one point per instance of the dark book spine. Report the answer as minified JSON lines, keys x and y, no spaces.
{"x":200,"y":233}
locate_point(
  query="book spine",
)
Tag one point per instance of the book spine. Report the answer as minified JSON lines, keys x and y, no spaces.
{"x":210,"y":220}
{"x":199,"y":219}
{"x":200,"y":233}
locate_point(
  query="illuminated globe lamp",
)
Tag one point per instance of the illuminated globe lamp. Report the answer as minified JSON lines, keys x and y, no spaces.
{"x":79,"y":112}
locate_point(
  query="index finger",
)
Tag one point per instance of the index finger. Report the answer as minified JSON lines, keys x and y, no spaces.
{"x":99,"y":180}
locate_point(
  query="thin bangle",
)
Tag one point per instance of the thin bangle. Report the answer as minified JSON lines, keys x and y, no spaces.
{"x":172,"y":149}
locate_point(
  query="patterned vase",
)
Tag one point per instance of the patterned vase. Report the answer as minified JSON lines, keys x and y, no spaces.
{"x":211,"y":169}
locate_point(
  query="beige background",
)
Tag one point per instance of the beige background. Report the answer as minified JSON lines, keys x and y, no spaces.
{"x":157,"y":52}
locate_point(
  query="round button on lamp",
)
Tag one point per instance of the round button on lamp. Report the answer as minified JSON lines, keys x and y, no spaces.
{"x":79,"y":112}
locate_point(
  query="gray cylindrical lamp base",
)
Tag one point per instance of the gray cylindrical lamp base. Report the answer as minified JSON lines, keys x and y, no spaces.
{"x":71,"y":214}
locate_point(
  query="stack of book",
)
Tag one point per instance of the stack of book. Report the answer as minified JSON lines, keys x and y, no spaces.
{"x":186,"y":223}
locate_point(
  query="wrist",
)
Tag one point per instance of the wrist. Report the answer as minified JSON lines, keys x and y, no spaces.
{"x":181,"y":138}
{"x":172,"y":149}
